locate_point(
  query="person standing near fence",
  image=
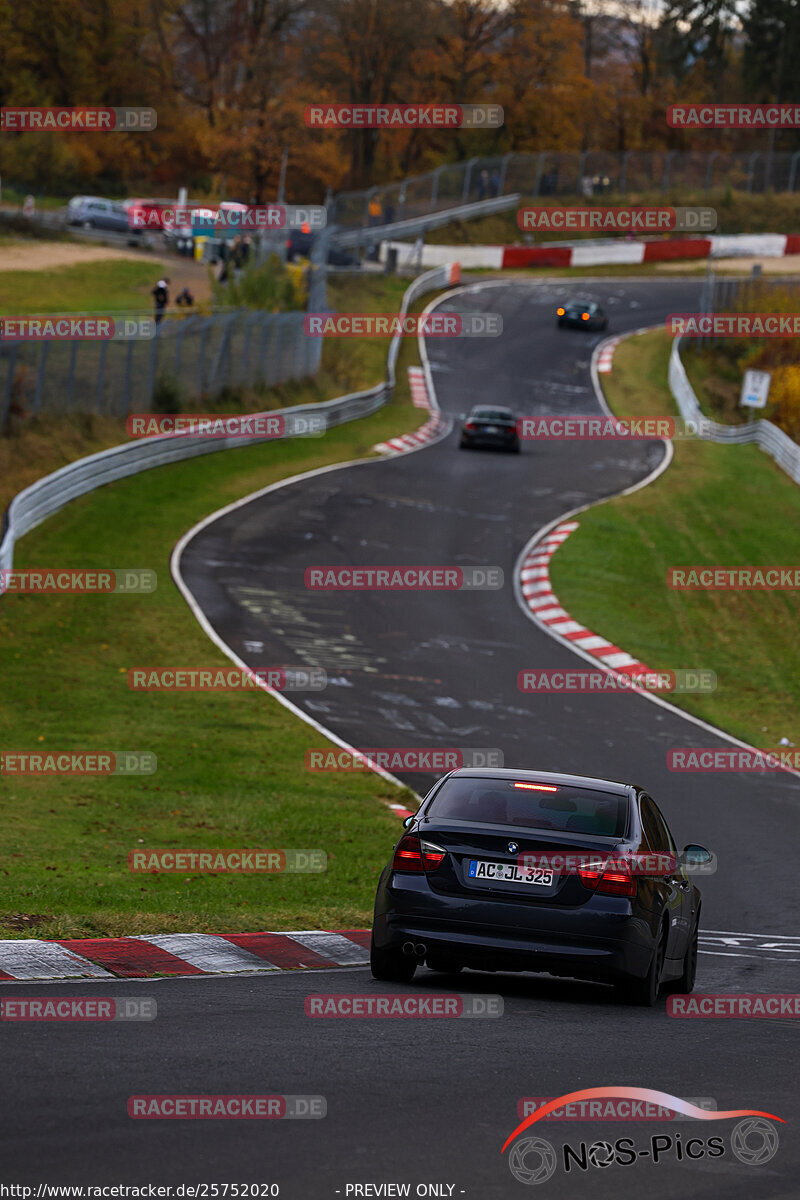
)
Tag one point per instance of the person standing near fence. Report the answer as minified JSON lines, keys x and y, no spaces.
{"x":161,"y":298}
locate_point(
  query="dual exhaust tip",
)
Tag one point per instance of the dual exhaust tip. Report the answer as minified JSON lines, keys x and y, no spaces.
{"x":417,"y":949}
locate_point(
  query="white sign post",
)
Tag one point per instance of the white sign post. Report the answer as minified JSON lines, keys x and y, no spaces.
{"x":755,"y":389}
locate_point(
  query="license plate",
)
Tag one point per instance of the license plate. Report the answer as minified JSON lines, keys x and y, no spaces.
{"x":510,"y":873}
{"x":492,"y":428}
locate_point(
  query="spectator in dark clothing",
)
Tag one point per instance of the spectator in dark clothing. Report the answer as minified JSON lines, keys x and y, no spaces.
{"x":494,"y":184}
{"x":160,"y":295}
{"x":185,"y":297}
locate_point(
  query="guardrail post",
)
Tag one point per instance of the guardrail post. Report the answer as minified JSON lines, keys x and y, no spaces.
{"x":751,"y":163}
{"x":201,"y":359}
{"x":37,"y":400}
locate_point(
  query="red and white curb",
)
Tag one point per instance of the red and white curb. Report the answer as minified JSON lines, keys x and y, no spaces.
{"x":538,"y":595}
{"x":431,"y":431}
{"x":181,"y":954}
{"x":605,"y":358}
{"x":419,"y":390}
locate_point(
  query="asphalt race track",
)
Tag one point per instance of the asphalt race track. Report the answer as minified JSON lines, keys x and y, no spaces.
{"x":432,"y":1101}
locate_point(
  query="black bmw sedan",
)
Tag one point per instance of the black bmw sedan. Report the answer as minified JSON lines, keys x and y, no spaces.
{"x":490,"y":425}
{"x":507,"y":870}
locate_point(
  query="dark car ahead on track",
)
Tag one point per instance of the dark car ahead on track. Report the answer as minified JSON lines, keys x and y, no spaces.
{"x":458,"y":893}
{"x":490,"y":425}
{"x":581,"y":314}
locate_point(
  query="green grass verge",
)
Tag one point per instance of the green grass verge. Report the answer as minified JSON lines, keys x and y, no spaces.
{"x":715,"y":505}
{"x":105,"y":285}
{"x":230,"y":765}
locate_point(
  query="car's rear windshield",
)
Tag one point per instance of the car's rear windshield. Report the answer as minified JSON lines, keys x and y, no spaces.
{"x":493,"y":414}
{"x":577,"y":307}
{"x":510,"y":802}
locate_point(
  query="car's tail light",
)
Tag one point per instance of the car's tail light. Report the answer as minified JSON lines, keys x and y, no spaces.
{"x":612,"y":883}
{"x":560,"y":312}
{"x":412,"y":857}
{"x":408,"y":855}
{"x":288,"y":243}
{"x":584,"y":316}
{"x":470,"y":425}
{"x":432,"y":855}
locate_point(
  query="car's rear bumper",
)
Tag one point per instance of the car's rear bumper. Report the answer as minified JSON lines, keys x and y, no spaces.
{"x":491,"y":439}
{"x":601,"y":939}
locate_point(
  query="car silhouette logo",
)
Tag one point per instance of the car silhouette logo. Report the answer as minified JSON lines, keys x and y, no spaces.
{"x":512,"y":847}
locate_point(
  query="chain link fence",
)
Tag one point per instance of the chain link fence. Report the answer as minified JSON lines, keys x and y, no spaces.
{"x":591,"y":174}
{"x":200,"y":356}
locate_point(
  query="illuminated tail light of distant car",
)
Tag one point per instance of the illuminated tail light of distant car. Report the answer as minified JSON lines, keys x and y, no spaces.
{"x":560,"y":312}
{"x":584,"y":316}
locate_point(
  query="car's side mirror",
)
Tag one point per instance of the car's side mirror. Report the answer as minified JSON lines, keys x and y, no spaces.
{"x":696,"y":856}
{"x":408,"y":821}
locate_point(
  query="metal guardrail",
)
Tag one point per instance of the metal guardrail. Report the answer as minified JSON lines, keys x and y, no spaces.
{"x":768,"y":437}
{"x":590,"y":173}
{"x":50,"y":494}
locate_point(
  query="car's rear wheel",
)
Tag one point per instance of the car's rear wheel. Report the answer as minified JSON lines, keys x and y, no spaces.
{"x":464,"y":444}
{"x":644,"y":992}
{"x":390,"y":965}
{"x":685,"y":982}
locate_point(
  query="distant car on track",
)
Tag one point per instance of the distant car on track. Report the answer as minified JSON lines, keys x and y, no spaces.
{"x":458,"y":893}
{"x":490,"y":425}
{"x":581,"y":314}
